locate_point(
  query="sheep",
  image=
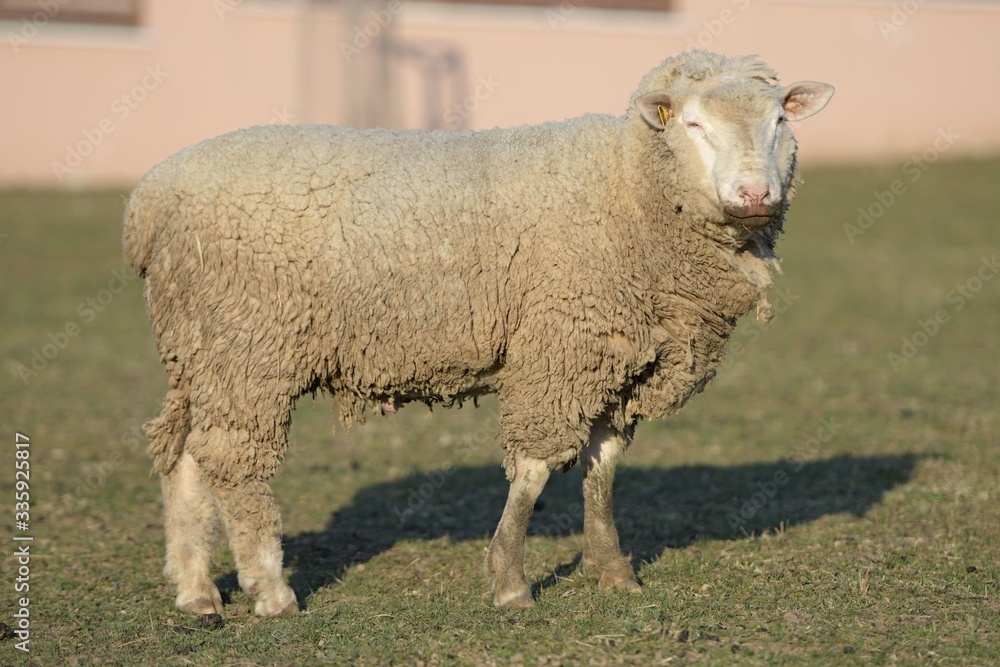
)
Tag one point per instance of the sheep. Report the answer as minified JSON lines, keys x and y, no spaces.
{"x":588,"y":272}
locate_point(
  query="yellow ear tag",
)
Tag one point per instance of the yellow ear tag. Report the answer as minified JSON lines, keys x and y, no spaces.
{"x":664,"y":113}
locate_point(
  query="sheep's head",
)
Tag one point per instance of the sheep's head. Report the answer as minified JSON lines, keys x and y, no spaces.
{"x":726,"y":120}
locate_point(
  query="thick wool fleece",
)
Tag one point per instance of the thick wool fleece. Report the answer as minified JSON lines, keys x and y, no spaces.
{"x":569,"y":267}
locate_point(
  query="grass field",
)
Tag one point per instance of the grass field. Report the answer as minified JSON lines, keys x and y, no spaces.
{"x":822,"y":503}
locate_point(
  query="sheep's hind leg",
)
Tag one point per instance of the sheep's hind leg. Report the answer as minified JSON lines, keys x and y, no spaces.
{"x":254,"y":525}
{"x":192,"y":523}
{"x":505,"y":558}
{"x":602,"y":555}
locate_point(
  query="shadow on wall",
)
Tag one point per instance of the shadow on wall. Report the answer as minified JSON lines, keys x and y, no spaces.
{"x":655,"y":508}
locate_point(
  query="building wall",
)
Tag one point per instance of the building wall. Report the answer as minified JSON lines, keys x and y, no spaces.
{"x":93,"y":105}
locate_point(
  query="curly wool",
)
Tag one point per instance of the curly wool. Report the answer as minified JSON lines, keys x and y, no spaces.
{"x":566,"y":266}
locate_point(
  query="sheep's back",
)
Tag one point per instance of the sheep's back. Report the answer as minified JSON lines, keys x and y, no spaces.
{"x":356,"y":250}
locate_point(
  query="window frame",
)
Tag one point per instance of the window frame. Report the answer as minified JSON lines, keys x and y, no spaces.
{"x":66,"y":14}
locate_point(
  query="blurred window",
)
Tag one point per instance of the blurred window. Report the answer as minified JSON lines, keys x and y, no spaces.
{"x":40,"y":12}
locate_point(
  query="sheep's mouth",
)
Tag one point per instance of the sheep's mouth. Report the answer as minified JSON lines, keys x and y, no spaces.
{"x":750,"y":217}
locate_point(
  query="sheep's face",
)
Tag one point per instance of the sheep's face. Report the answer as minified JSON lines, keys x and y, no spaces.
{"x":738,"y":135}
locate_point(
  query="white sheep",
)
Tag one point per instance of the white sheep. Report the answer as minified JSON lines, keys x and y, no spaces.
{"x":589,"y":272}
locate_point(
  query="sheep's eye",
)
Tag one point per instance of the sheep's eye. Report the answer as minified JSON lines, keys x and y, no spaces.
{"x":693,"y":125}
{"x":782,"y":118}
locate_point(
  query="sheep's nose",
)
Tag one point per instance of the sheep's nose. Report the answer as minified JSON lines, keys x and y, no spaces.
{"x":753,"y":194}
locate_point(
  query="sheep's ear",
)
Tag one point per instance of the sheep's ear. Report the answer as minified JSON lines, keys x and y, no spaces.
{"x":656,"y":108}
{"x":805,"y":98}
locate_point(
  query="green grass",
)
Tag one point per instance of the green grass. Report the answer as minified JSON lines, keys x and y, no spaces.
{"x":859,"y":553}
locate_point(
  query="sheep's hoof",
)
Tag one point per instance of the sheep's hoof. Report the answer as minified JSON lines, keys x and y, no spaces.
{"x":514,"y":599}
{"x":615,"y":574}
{"x":199,"y":607}
{"x":619,"y":582}
{"x":282,"y":603}
{"x":290,"y":609}
{"x":209,"y":602}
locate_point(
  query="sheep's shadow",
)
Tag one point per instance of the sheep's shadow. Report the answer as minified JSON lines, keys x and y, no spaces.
{"x":655,"y":508}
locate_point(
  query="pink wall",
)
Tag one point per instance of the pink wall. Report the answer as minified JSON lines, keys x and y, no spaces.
{"x":130,"y":97}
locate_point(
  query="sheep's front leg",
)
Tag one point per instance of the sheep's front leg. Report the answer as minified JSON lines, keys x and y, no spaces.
{"x":254,"y":526}
{"x":602,"y":555}
{"x":505,"y":558}
{"x":192,"y":522}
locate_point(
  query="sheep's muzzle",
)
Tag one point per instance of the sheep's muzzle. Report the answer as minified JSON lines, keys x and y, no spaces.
{"x":753,"y":216}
